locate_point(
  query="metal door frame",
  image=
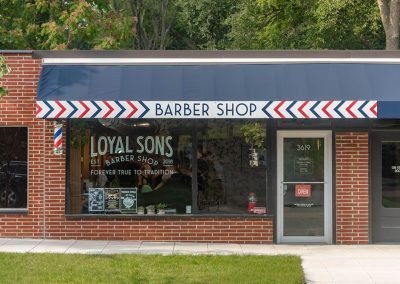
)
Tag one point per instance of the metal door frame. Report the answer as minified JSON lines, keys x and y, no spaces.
{"x":327,"y":135}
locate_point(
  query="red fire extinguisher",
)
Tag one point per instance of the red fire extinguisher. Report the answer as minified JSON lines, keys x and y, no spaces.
{"x":251,"y":202}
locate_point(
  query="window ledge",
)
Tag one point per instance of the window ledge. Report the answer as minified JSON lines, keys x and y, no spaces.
{"x":166,"y":216}
{"x":14,"y":211}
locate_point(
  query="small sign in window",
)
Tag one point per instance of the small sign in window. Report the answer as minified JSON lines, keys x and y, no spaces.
{"x":303,"y":190}
{"x":96,"y":199}
{"x":128,"y":200}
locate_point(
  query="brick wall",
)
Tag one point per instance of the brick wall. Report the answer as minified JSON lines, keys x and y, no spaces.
{"x":46,"y":187}
{"x":18,"y":109}
{"x":192,"y":229}
{"x":352,"y":187}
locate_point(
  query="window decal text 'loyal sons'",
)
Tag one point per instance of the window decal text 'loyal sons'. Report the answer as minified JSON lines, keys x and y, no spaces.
{"x":159,"y":145}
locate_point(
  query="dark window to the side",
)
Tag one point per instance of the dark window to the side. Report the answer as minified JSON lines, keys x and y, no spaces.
{"x":391,"y":174}
{"x":13,"y":167}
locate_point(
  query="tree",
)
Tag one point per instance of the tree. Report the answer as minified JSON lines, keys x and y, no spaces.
{"x":247,"y":24}
{"x":198,"y":24}
{"x":202,"y":24}
{"x":115,"y":24}
{"x":307,"y":24}
{"x":152,"y":21}
{"x":54,"y":24}
{"x":390,"y":14}
{"x":344,"y":24}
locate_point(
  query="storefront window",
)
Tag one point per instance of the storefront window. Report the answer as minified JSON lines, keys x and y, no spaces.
{"x":130,"y":166}
{"x":231,"y":158}
{"x":13,"y":167}
{"x":121,"y":166}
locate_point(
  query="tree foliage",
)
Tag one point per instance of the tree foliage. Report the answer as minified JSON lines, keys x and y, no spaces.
{"x":202,"y":24}
{"x":152,"y":21}
{"x":191,"y":24}
{"x":305,"y":24}
{"x":55,"y":24}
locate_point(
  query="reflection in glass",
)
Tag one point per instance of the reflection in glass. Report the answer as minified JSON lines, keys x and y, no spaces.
{"x":153,"y":156}
{"x":303,"y":196}
{"x":303,"y":216}
{"x":226,"y":175}
{"x":391,"y":174}
{"x":117,"y":153}
{"x":304,"y":159}
{"x":13,"y":167}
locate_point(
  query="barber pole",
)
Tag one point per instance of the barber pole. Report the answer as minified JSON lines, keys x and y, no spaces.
{"x":58,"y":150}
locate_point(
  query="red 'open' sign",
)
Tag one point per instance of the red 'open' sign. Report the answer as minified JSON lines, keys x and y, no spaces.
{"x":302,"y":190}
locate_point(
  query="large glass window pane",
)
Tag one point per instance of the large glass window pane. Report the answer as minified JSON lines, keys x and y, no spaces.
{"x":231,"y":168}
{"x":391,"y":174}
{"x":303,"y":209}
{"x":303,"y":186}
{"x":119,"y":166}
{"x":13,"y":167}
{"x":304,"y":159}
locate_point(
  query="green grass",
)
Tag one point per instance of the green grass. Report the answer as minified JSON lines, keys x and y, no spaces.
{"x":60,"y":268}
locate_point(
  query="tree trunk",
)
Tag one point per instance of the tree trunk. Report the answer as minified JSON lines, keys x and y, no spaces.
{"x":392,"y":43}
{"x":153,"y":19}
{"x":390,"y":15}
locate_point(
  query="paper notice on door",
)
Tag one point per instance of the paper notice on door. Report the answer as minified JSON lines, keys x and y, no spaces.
{"x":303,"y":166}
{"x":302,"y":190}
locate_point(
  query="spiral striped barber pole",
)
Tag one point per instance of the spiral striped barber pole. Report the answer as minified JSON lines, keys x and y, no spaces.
{"x":58,"y":149}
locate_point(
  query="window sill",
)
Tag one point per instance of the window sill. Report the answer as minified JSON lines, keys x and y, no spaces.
{"x":166,"y":216}
{"x":14,"y":211}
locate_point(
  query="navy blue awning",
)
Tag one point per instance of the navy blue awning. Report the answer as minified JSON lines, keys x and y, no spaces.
{"x":343,"y":83}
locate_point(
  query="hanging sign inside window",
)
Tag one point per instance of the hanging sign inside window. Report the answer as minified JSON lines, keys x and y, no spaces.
{"x":396,"y":169}
{"x":96,"y":199}
{"x":128,"y":199}
{"x":302,"y":190}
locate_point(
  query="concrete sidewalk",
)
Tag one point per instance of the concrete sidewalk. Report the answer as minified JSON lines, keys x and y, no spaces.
{"x":321,"y":263}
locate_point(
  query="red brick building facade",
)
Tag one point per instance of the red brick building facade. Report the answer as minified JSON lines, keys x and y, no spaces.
{"x":46,"y":214}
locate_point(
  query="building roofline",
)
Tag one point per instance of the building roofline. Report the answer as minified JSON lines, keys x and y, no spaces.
{"x":201,"y":54}
{"x":169,"y":57}
{"x":207,"y":53}
{"x":14,"y":51}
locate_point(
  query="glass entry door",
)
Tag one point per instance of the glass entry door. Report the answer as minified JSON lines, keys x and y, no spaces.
{"x":385,"y":173}
{"x":304,"y":186}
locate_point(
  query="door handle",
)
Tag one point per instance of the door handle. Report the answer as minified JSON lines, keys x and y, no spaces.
{"x":302,"y":182}
{"x":284,"y":189}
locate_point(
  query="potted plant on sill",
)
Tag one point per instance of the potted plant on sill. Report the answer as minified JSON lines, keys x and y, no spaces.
{"x":253,"y":134}
{"x":161,"y":208}
{"x":151,"y":210}
{"x":140,"y":210}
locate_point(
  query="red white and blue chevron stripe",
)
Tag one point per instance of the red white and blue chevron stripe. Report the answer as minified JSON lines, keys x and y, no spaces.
{"x":90,"y":109}
{"x":209,"y":109}
{"x":321,"y":109}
